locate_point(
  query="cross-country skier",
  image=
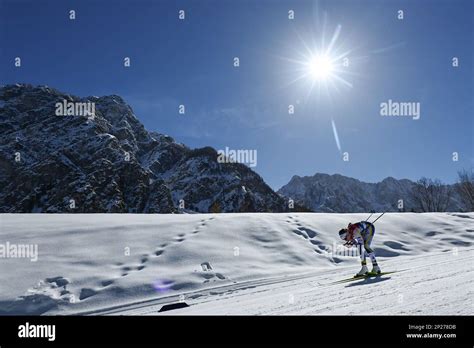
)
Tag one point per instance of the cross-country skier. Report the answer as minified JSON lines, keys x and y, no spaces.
{"x":360,"y":234}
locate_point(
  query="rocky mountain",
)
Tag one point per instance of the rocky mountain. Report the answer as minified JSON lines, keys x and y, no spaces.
{"x":342,"y":194}
{"x":106,"y":161}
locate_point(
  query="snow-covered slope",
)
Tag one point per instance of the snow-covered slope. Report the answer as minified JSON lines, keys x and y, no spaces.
{"x":432,"y":284}
{"x":234,"y":263}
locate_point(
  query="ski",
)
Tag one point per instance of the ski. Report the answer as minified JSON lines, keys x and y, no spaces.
{"x":367,"y":276}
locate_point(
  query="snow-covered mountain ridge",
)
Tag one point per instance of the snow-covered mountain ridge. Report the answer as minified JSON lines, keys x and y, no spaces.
{"x":110,"y":163}
{"x":342,"y":194}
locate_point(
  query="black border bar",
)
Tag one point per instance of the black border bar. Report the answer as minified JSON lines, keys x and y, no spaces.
{"x":241,"y":330}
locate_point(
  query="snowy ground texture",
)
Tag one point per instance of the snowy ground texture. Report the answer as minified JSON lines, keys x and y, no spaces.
{"x":223,"y":264}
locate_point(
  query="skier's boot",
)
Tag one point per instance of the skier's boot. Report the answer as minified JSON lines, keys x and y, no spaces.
{"x":376,"y":269}
{"x":363,"y":271}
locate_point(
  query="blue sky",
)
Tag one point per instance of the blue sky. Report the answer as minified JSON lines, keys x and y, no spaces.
{"x":190,"y":62}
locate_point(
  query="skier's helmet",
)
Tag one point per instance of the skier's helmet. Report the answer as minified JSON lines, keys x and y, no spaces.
{"x":343,"y":233}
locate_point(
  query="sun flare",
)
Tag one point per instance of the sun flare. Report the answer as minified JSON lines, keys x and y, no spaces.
{"x":320,"y":67}
{"x":320,"y":64}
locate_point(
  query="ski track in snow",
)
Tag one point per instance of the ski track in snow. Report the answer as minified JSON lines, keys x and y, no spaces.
{"x":430,"y":291}
{"x":282,"y":266}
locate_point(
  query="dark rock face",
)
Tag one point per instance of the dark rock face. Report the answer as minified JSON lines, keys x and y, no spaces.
{"x":341,"y":194}
{"x":110,"y":163}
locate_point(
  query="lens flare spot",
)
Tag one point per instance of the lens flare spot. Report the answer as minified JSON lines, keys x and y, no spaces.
{"x":162,"y":285}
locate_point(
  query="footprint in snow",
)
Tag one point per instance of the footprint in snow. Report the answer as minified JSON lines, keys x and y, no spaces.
{"x":179,"y":239}
{"x":86,"y":293}
{"x":309,"y":232}
{"x":106,"y":283}
{"x":300,"y":233}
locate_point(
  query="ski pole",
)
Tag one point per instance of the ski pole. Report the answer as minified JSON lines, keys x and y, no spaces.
{"x":373,"y":222}
{"x":369,"y":217}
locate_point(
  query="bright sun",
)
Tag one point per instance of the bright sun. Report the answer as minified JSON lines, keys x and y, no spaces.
{"x":320,"y":67}
{"x":321,"y":64}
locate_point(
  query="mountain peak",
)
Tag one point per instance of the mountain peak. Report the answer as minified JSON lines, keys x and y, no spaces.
{"x":337,"y":193}
{"x":110,"y":162}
